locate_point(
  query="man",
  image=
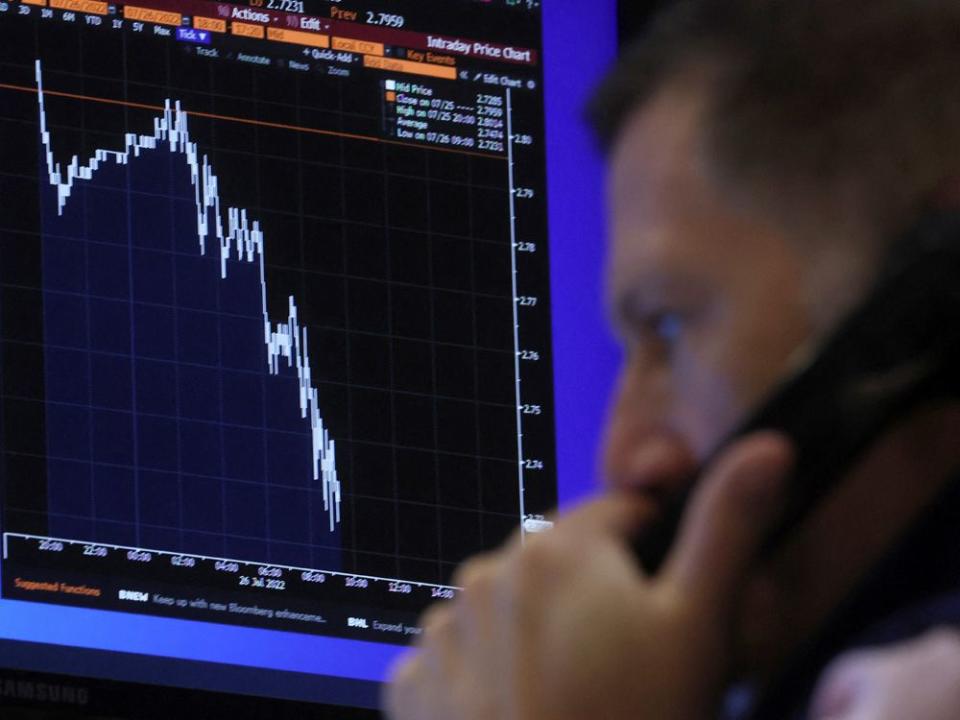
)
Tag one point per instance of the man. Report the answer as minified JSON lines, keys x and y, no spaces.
{"x":763,"y":155}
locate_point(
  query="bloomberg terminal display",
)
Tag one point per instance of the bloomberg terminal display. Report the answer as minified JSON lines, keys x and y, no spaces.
{"x":276,"y":334}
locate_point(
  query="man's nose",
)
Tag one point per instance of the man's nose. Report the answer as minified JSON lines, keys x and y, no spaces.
{"x":658,"y":464}
{"x":643,"y":453}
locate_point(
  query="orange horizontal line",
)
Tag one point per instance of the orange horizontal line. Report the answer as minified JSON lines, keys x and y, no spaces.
{"x":41,"y":3}
{"x":409,"y":66}
{"x":248,"y":121}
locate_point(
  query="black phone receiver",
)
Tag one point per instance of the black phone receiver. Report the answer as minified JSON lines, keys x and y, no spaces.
{"x":897,"y":349}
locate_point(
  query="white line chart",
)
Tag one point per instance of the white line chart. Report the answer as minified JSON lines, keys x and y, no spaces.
{"x":237,"y":237}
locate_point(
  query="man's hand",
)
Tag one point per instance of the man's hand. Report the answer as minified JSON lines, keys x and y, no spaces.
{"x":568,"y":626}
{"x":917,"y":680}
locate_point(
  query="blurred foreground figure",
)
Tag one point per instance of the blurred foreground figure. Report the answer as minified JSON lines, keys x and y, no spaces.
{"x":763,"y":156}
{"x":919,"y":679}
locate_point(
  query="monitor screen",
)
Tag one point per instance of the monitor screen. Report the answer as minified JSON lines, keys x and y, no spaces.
{"x":299,"y":308}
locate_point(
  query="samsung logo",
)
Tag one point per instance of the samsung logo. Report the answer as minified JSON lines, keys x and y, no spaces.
{"x":43,"y":692}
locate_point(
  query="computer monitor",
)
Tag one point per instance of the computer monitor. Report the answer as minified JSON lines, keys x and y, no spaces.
{"x":299,"y":307}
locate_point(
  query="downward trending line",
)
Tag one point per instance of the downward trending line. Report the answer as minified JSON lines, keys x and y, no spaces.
{"x":241,"y":240}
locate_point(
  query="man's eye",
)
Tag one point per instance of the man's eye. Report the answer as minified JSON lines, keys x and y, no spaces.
{"x":666,"y":327}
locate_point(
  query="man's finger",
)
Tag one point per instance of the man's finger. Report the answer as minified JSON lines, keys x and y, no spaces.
{"x":400,"y":697}
{"x":619,"y":514}
{"x":728,"y":516}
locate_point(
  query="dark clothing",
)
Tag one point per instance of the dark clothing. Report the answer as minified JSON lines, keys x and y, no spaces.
{"x":916,"y":587}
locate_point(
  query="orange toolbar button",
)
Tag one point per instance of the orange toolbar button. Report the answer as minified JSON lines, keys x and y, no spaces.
{"x":247,"y":30}
{"x":211,"y":24}
{"x":363,"y":47}
{"x":91,"y":7}
{"x":157,"y":17}
{"x":408,"y":66}
{"x":298,"y":37}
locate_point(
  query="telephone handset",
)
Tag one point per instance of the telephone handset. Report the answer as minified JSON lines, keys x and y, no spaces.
{"x":898,"y":348}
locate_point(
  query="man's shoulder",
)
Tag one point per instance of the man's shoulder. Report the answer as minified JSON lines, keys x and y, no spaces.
{"x":915,"y":588}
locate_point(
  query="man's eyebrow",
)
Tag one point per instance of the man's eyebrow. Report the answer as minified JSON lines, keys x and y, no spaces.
{"x":630,"y":300}
{"x":645,"y":293}
{"x":623,"y":303}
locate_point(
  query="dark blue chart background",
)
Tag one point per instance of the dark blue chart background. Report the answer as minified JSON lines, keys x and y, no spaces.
{"x":165,"y":429}
{"x":142,"y":410}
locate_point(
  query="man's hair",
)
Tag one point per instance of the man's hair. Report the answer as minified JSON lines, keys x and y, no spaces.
{"x":823,"y":106}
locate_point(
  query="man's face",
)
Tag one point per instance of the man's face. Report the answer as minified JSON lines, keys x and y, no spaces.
{"x":710,"y":300}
